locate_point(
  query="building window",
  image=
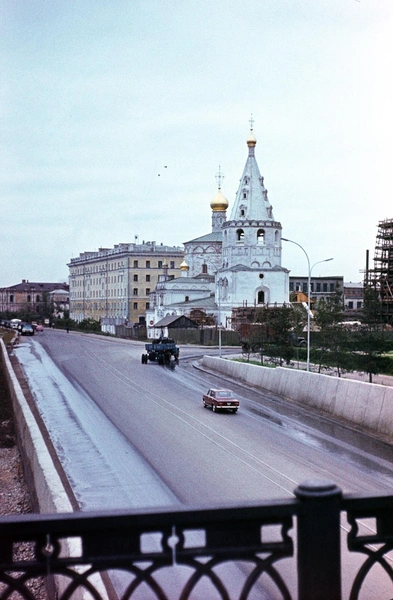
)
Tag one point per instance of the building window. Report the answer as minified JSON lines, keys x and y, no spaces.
{"x":135,"y":277}
{"x":147,"y":305}
{"x":350,"y":305}
{"x":12,"y":298}
{"x":291,"y":286}
{"x":358,"y":305}
{"x":147,"y":291}
{"x":325,"y":287}
{"x":135,"y":306}
{"x":186,"y":299}
{"x":160,"y":264}
{"x":147,"y":277}
{"x":261,"y":236}
{"x":28,"y":298}
{"x":37,"y":298}
{"x":204,"y":268}
{"x":135,"y":291}
{"x":135,"y":264}
{"x":304,"y":286}
{"x":318,"y":287}
{"x":332,"y":287}
{"x":261,"y":297}
{"x":240,"y":236}
{"x":148,"y":264}
{"x":172,"y":264}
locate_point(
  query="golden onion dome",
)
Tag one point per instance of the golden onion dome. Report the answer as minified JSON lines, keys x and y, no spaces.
{"x":219,"y":202}
{"x":184,"y":266}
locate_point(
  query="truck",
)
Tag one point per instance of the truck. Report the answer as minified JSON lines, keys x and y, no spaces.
{"x":162,"y":350}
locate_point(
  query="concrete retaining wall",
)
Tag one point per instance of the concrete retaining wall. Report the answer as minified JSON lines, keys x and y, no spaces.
{"x":38,"y":465}
{"x":366,"y":405}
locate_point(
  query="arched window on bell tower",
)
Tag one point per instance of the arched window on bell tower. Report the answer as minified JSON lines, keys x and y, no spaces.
{"x":261,"y":297}
{"x":240,"y":236}
{"x":261,"y":236}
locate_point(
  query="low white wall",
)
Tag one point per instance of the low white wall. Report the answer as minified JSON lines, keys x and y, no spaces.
{"x":366,"y":405}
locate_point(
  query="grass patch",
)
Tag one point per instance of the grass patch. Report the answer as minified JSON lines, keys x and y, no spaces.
{"x":7,"y":335}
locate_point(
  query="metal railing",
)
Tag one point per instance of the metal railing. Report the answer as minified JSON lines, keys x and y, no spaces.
{"x":227,"y":553}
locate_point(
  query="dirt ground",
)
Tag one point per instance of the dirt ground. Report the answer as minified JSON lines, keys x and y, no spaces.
{"x":14,"y":495}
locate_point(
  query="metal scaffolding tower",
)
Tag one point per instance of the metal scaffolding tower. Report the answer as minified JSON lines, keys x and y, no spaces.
{"x":381,"y":276}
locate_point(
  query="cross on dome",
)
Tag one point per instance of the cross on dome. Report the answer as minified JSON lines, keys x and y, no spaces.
{"x":219,"y":177}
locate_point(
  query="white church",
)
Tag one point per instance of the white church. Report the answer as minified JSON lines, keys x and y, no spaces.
{"x":238,"y":264}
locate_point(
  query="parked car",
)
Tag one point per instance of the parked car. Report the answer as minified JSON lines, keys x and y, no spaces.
{"x":14,"y":323}
{"x":220,"y":399}
{"x":27,"y":329}
{"x":39,"y":327}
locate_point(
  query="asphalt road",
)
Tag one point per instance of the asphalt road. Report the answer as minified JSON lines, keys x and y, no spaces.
{"x":204,"y":458}
{"x":264,"y":451}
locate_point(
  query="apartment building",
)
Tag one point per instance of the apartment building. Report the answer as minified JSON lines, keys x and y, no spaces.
{"x":113,"y":285}
{"x":321,"y":287}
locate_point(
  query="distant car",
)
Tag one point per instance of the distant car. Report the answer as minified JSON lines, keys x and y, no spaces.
{"x":27,"y":329}
{"x":220,"y":399}
{"x":39,"y":328}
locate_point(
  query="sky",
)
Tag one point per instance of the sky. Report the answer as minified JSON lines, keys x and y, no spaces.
{"x":116,"y":115}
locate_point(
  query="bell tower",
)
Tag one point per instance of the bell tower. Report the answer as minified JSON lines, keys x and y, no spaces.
{"x":251,"y":271}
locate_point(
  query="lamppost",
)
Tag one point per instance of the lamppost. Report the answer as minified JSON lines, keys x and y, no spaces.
{"x":219,"y":282}
{"x":308,"y":294}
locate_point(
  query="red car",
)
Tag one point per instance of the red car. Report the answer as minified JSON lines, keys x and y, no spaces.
{"x":221,"y":399}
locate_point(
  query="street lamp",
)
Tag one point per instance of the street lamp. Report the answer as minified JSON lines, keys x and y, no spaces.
{"x":219,"y":282}
{"x":308,"y":294}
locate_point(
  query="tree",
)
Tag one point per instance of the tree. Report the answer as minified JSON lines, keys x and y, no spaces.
{"x":333,"y":336}
{"x":278,"y":324}
{"x":369,"y":341}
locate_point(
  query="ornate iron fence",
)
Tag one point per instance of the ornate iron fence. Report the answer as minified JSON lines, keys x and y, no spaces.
{"x":224,"y":553}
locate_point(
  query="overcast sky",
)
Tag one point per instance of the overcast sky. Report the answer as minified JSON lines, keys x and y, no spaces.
{"x":115,"y":116}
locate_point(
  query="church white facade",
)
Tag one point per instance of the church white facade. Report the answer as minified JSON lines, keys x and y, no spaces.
{"x":251,"y":272}
{"x":237,"y":264}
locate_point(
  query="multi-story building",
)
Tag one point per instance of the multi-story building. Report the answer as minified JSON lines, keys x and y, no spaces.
{"x":113,"y":285}
{"x":321,"y":287}
{"x":353,"y":296}
{"x":32,"y":297}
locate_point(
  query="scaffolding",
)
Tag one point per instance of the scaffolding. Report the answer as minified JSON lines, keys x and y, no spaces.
{"x":381,"y":276}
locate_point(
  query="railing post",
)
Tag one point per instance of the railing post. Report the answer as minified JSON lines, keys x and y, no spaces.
{"x":318,"y":541}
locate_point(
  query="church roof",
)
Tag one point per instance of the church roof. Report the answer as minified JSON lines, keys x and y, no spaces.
{"x":187,"y":281}
{"x":207,"y":303}
{"x":214,"y":236}
{"x":251,"y":199}
{"x":240,"y":267}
